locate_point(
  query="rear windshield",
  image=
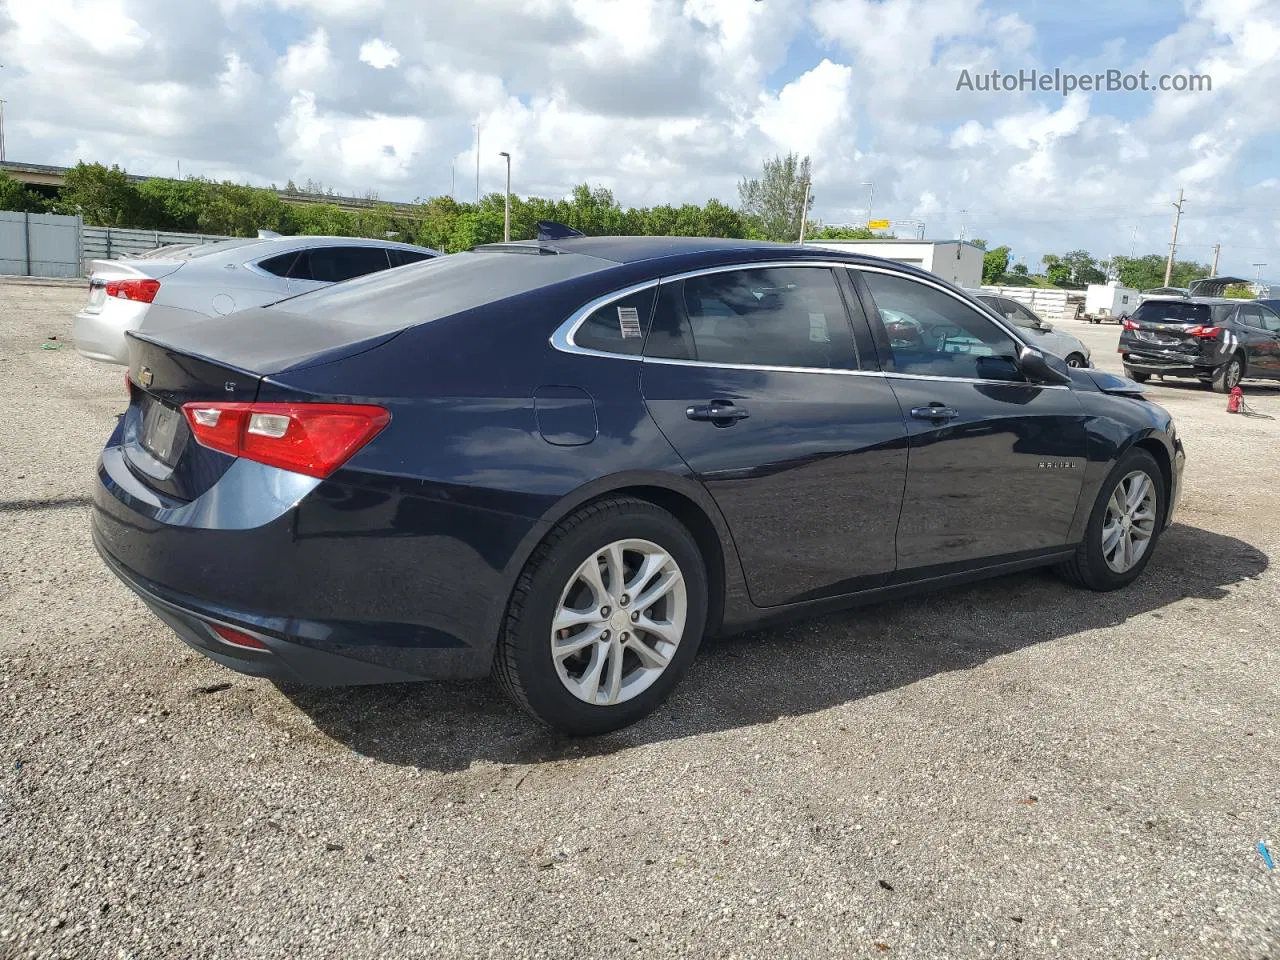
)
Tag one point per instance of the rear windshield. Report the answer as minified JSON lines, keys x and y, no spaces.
{"x":1179,"y":311}
{"x":440,"y":287}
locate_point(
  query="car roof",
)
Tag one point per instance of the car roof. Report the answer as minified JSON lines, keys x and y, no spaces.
{"x":674,"y":254}
{"x":1211,"y":301}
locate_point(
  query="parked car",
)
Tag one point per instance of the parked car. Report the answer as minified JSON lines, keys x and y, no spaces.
{"x":173,"y":287}
{"x":568,"y":461}
{"x":1217,"y":341}
{"x":1040,"y":332}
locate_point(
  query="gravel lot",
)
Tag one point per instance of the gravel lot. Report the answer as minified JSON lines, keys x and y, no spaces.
{"x":1015,"y":769}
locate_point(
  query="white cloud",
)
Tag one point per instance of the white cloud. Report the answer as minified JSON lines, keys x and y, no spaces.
{"x":379,"y":54}
{"x":307,"y":65}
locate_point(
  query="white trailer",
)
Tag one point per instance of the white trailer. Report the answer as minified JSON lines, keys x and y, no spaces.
{"x":1108,"y":301}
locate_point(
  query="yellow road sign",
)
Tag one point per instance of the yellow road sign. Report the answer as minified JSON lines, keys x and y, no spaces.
{"x":877,"y":224}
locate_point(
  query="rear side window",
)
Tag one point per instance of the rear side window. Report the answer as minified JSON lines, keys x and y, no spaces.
{"x":618,"y":327}
{"x":400,"y":258}
{"x":1251,"y":315}
{"x":335,"y":264}
{"x":279,"y":266}
{"x":769,"y":316}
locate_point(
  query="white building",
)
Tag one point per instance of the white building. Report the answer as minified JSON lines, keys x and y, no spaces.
{"x":958,"y":261}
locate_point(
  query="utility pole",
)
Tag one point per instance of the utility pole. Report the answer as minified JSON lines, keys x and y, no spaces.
{"x":506,"y":205}
{"x":477,"y":126}
{"x":962,"y":216}
{"x":1173,"y":244}
{"x":1217,"y":249}
{"x":1133,"y":242}
{"x":871,"y":196}
{"x":2,"y":131}
{"x":804,"y":209}
{"x":453,"y":179}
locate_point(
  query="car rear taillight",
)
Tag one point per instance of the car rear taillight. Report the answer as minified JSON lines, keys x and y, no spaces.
{"x":1129,"y":324}
{"x":1207,"y":333}
{"x":310,"y":438}
{"x":144,"y":291}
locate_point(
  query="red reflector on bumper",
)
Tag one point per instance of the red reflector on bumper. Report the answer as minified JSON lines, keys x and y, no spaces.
{"x":238,"y":638}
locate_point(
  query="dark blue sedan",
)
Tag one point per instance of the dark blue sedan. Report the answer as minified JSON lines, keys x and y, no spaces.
{"x":567,"y":461}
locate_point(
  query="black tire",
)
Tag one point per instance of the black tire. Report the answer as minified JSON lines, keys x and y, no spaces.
{"x":523,"y":663}
{"x":1229,"y":374}
{"x":1088,"y":568}
{"x":1076,"y":360}
{"x":1135,"y":376}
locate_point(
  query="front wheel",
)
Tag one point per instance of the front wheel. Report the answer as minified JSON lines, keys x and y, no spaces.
{"x":1123,"y":527}
{"x":1135,"y":376}
{"x":1076,"y":360}
{"x":605,"y":618}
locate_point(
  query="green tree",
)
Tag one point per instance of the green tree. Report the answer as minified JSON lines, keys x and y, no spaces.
{"x":772,"y":202}
{"x":1240,"y":291}
{"x":172,"y":204}
{"x":14,"y":196}
{"x":1020,"y":270}
{"x":995,"y":263}
{"x":844,"y":233}
{"x":241,"y":211}
{"x":320,"y":220}
{"x":103,"y":196}
{"x":1058,"y":272}
{"x":1084,"y":268}
{"x":721,"y":220}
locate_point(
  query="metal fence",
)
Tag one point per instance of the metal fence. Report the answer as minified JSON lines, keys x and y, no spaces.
{"x":113,"y":243}
{"x":52,"y":245}
{"x":1049,"y":304}
{"x":39,"y":245}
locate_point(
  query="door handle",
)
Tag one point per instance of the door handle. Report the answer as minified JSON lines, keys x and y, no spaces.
{"x":935,"y":411}
{"x":720,"y":412}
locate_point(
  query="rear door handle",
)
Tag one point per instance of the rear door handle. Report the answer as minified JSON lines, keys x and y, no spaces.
{"x":935,"y":411}
{"x":720,"y":412}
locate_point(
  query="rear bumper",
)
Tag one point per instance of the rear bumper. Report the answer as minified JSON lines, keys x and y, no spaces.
{"x":1169,"y":365}
{"x":101,"y":335}
{"x":346,"y":583}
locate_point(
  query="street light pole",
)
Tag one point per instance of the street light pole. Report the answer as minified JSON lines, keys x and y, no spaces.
{"x":477,"y":126}
{"x":804,"y":210}
{"x":871,"y":196}
{"x":506,"y":207}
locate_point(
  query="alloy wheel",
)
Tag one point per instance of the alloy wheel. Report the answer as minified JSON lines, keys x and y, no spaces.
{"x":619,"y":621}
{"x":1130,"y":522}
{"x":1232,"y":376}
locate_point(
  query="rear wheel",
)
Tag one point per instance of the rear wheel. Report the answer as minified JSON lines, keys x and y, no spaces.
{"x":1229,"y":375}
{"x":604,"y":619}
{"x":1123,"y":527}
{"x":1135,"y":376}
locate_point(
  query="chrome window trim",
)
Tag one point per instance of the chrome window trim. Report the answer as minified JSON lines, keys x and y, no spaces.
{"x":562,"y":338}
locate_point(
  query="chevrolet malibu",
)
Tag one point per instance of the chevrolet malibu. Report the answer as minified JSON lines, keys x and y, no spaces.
{"x":567,"y":461}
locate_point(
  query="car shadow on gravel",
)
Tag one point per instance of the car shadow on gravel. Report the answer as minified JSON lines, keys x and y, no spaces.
{"x":801,"y":668}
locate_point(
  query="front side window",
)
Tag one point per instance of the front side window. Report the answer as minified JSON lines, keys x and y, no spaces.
{"x":1270,"y":320}
{"x":763,"y":316}
{"x":618,"y":327}
{"x":935,"y":334}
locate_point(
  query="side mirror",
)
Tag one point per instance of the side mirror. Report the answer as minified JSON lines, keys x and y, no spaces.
{"x":1038,"y":368}
{"x":1046,"y":326}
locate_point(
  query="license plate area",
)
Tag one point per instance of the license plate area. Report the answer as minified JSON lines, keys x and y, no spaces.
{"x":97,"y":295}
{"x":1147,"y":337}
{"x":159,"y":433}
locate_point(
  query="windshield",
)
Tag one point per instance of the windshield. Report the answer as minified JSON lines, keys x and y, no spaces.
{"x":1179,"y":311}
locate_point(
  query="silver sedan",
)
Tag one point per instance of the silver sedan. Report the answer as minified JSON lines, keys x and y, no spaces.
{"x":1039,"y":332}
{"x":177,"y":286}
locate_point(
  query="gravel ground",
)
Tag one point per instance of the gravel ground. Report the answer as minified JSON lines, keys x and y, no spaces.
{"x":1014,"y":769}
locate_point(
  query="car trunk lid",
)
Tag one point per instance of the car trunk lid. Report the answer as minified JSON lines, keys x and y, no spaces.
{"x":1173,"y":326}
{"x":105,"y":273}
